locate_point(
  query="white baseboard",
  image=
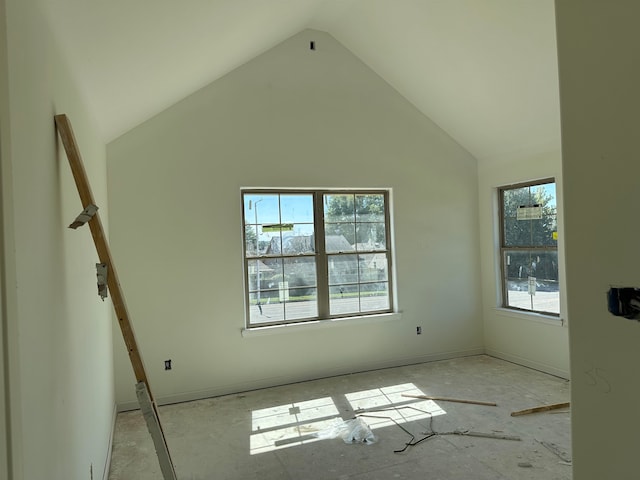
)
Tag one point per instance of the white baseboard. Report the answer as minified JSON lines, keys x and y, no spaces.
{"x":288,"y":379}
{"x":107,"y":463}
{"x":525,"y":362}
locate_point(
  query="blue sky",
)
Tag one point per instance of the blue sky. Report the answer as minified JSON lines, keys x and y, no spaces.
{"x":294,"y":208}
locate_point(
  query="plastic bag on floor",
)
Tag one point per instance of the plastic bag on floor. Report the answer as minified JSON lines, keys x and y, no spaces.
{"x":351,"y":431}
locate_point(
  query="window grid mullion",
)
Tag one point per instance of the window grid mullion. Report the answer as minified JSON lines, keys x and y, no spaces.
{"x":322,"y":267}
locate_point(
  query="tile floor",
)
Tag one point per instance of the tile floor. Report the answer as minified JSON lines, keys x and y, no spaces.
{"x":272,"y":434}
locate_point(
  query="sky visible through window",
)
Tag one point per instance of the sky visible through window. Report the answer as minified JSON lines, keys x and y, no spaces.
{"x":550,"y":189}
{"x":273,"y":209}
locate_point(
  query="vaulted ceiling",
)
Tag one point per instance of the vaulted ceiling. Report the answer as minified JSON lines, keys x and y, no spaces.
{"x":484,"y":70}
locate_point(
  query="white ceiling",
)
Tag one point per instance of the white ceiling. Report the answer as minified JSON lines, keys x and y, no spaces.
{"x":484,"y":70}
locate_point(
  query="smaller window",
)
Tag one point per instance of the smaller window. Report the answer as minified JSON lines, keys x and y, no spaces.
{"x":529,"y":247}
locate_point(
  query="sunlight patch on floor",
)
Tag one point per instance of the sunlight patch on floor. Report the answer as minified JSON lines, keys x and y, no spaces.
{"x":298,"y":423}
{"x":292,"y":424}
{"x":390,"y":403}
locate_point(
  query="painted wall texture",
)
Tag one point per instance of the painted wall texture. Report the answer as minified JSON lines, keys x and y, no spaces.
{"x":5,"y":456}
{"x":58,"y":331}
{"x":291,"y":117}
{"x":599,"y":99}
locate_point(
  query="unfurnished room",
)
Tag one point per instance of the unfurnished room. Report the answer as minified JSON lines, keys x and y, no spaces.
{"x":319,"y":239}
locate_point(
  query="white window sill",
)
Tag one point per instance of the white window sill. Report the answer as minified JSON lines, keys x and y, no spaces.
{"x":531,"y":316}
{"x":316,"y":324}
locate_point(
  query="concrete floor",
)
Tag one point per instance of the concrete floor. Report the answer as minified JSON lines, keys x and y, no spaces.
{"x":269,"y":434}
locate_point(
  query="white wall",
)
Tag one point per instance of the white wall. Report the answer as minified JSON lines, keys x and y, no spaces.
{"x":290,"y":117}
{"x":58,"y":331}
{"x":4,"y":120}
{"x":599,"y":77}
{"x":532,"y":340}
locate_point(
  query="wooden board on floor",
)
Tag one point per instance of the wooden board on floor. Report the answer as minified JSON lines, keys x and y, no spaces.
{"x":542,"y":408}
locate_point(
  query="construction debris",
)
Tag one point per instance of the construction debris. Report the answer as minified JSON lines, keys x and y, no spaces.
{"x":497,"y":436}
{"x":556,"y":450}
{"x":542,"y":408}
{"x":413,"y":440}
{"x":445,"y":399}
{"x":431,"y":433}
{"x":354,"y":430}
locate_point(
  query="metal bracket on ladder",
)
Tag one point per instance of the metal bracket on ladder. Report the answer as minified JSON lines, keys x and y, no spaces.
{"x":151,"y":417}
{"x":86,"y":215}
{"x":101,"y":272}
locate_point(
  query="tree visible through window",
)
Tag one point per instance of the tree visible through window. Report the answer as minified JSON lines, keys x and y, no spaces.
{"x":529,"y":247}
{"x":315,"y":254}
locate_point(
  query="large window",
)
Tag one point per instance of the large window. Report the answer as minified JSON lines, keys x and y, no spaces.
{"x":529,"y":247}
{"x":312,"y":255}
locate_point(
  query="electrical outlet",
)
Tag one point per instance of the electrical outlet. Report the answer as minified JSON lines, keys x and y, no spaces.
{"x":418,"y":330}
{"x":167,"y":364}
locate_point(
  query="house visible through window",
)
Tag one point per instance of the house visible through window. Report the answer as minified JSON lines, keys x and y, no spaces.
{"x":529,"y":247}
{"x":312,"y":255}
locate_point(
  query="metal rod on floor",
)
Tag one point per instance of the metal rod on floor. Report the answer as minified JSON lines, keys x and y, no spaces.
{"x":445,"y":399}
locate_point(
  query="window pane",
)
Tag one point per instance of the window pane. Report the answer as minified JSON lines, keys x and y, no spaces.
{"x":339,"y":237}
{"x":370,"y":236}
{"x":368,"y":297}
{"x":529,"y":216}
{"x":343,"y":269}
{"x":296,"y":208}
{"x":269,"y":271}
{"x":258,"y":268}
{"x":370,"y":207}
{"x":339,"y":208}
{"x":298,"y":241}
{"x":261,"y":208}
{"x":300,"y":273}
{"x":259,"y":242}
{"x":300,"y":303}
{"x":251,"y":239}
{"x":283,"y":304}
{"x":532,"y":280}
{"x":517,"y":233}
{"x":514,"y":198}
{"x":344,"y":299}
{"x":265,"y":310}
{"x":373,"y":267}
{"x":270,"y":243}
{"x":374,"y":297}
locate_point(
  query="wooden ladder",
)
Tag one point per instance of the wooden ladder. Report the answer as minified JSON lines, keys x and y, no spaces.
{"x":90,"y":215}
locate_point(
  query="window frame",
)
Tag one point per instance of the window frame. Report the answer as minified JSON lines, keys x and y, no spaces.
{"x":320,"y":254}
{"x":524,"y":248}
